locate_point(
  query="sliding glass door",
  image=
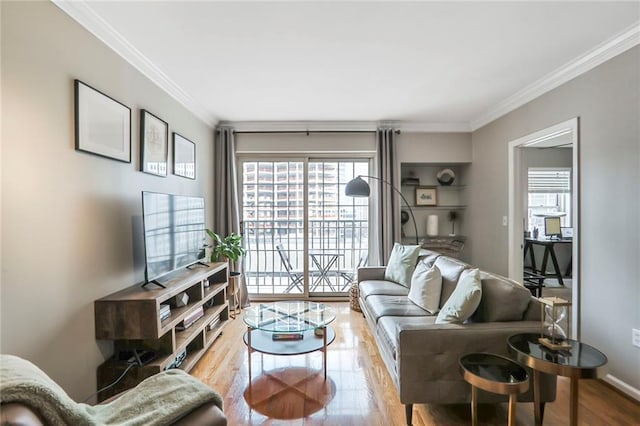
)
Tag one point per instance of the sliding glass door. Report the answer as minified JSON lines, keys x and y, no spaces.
{"x":302,"y":234}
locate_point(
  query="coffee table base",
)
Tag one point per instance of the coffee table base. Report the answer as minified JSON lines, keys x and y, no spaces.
{"x":262,"y":341}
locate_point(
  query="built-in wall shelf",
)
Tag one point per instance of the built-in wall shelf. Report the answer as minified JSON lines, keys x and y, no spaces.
{"x":449,"y":198}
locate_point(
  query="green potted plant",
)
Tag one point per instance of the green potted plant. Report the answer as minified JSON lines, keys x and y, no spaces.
{"x":229,"y":247}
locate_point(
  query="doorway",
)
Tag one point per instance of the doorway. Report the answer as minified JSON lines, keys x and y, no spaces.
{"x":565,"y":134}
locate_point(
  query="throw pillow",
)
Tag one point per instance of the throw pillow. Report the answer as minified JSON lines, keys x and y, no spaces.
{"x":426,"y":285}
{"x":401,"y":264}
{"x":464,"y":300}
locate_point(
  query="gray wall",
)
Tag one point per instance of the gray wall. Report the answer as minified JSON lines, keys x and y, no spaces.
{"x":71,"y":221}
{"x":607,"y":100}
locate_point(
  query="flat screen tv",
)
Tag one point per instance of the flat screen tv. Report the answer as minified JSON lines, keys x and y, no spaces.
{"x":174,"y":233}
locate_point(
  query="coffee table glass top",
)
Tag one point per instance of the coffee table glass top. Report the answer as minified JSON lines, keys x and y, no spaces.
{"x":494,"y":367}
{"x":288,"y":316}
{"x":580,"y":355}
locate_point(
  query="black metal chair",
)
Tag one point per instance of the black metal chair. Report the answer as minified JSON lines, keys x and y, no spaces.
{"x":349,"y":276}
{"x":296,"y":276}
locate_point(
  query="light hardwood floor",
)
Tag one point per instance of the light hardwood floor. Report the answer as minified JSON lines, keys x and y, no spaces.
{"x":359,"y":391}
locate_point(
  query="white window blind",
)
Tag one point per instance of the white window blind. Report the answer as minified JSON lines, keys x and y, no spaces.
{"x":546,"y":181}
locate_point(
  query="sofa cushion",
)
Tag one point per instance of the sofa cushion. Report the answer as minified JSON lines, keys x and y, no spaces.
{"x":502,"y":299}
{"x":450,"y":269}
{"x":381,"y":306}
{"x":367,"y":288}
{"x":426,"y":285}
{"x":401,"y":264}
{"x":388,"y":329}
{"x":428,"y":257}
{"x":464,"y":300}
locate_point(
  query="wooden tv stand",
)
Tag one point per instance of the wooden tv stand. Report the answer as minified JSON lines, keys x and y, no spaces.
{"x":131,"y":318}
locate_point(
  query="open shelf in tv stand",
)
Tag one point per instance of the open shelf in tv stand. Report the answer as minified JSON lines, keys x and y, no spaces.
{"x":131,"y":319}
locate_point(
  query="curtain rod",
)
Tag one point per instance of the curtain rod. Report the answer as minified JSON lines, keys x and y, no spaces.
{"x":307,"y":132}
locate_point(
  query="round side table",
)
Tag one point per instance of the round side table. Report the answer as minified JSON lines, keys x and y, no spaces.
{"x":497,"y":374}
{"x":581,"y":361}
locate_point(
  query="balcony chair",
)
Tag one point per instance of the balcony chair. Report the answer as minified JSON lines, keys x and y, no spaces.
{"x":296,"y":276}
{"x":350,"y":275}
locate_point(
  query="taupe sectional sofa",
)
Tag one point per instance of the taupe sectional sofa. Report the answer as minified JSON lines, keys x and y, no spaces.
{"x":422,"y":356}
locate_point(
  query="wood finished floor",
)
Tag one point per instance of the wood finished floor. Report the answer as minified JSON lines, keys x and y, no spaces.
{"x":359,"y":391}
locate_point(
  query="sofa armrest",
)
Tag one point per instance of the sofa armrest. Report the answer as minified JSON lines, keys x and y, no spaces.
{"x":366,"y":273}
{"x":15,"y":413}
{"x":533,"y":311}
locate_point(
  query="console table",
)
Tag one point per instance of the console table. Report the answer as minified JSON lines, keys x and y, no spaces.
{"x":131,"y":318}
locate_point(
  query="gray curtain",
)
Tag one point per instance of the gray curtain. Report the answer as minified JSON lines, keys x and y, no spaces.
{"x":389,"y":204}
{"x":225,"y":197}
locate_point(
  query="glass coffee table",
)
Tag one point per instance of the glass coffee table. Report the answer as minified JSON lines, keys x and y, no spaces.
{"x":289,"y":328}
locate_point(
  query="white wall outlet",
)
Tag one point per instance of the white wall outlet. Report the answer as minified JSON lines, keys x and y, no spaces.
{"x":505,"y":222}
{"x":635,"y":337}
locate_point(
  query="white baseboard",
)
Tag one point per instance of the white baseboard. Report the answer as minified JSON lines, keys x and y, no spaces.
{"x":623,"y":387}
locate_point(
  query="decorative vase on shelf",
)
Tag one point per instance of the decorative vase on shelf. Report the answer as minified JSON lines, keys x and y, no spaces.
{"x":453,"y":216}
{"x":446,"y":177}
{"x":432,"y":225}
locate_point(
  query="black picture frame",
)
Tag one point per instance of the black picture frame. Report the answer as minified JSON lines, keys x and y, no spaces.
{"x":184,"y":157}
{"x":102,"y":124}
{"x":154,"y":144}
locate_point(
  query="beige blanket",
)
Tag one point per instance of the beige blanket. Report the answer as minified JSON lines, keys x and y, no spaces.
{"x":159,"y":400}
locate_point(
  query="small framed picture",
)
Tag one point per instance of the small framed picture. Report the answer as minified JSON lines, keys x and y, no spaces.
{"x":154,"y":144}
{"x":184,"y":157}
{"x":426,"y":196}
{"x":102,"y":124}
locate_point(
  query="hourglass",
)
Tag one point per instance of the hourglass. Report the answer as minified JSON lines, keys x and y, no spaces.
{"x":554,"y":322}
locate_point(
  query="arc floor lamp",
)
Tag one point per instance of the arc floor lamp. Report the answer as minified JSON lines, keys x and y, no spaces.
{"x":358,"y":187}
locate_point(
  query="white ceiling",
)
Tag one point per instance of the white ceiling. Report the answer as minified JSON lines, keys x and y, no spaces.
{"x":456,"y":65}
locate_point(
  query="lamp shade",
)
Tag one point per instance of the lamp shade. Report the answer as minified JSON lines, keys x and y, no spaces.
{"x":357,"y":188}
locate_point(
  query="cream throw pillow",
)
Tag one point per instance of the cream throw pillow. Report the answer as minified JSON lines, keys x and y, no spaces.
{"x":464,"y":300}
{"x":426,"y":285}
{"x":401,"y":264}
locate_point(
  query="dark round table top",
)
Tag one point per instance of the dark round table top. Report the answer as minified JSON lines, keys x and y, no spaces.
{"x":579,"y":361}
{"x":494,"y":373}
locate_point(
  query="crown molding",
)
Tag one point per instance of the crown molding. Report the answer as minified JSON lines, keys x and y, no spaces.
{"x":620,"y":43}
{"x":345,"y":126}
{"x":82,"y":13}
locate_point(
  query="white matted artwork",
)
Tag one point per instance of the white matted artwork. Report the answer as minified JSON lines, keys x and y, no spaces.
{"x":184,"y":157}
{"x":426,"y":196}
{"x":154,"y":144}
{"x":102,"y":124}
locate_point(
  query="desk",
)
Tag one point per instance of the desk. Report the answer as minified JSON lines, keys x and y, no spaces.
{"x":324,"y":261}
{"x":548,"y":251}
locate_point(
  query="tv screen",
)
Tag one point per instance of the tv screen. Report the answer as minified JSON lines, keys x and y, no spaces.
{"x":174,"y":232}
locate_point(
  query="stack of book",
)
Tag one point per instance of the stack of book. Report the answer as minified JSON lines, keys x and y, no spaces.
{"x":214,"y":322}
{"x":165,"y":312}
{"x":191,"y":318}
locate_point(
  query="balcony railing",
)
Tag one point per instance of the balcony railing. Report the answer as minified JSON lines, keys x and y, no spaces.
{"x":336,"y":248}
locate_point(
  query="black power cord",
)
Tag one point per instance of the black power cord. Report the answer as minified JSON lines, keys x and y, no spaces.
{"x":129,"y":367}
